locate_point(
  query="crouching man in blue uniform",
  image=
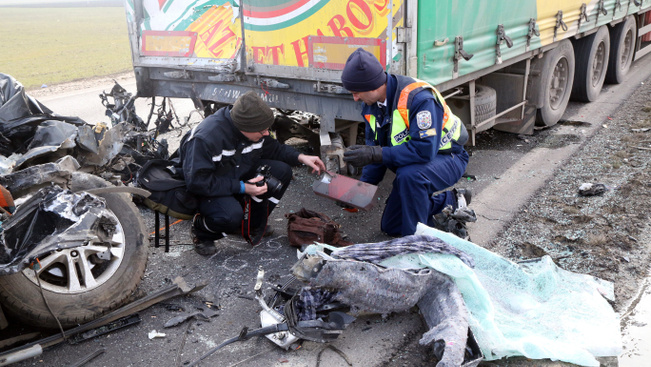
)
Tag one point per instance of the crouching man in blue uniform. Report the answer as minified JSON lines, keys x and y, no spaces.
{"x":220,"y":160}
{"x":411,"y":131}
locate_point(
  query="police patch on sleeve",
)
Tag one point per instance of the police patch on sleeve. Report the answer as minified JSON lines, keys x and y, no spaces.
{"x":427,"y":133}
{"x":424,"y":120}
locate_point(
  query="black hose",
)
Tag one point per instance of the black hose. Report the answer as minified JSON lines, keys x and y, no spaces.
{"x":245,"y":334}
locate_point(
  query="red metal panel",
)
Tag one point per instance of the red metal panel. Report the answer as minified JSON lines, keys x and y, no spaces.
{"x":347,"y":190}
{"x":168,"y":43}
{"x":332,"y":52}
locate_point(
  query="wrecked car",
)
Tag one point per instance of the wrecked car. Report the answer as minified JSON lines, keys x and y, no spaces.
{"x":75,"y":246}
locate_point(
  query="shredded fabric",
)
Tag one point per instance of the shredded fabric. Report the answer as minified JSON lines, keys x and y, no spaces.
{"x":310,"y":299}
{"x":415,"y":244}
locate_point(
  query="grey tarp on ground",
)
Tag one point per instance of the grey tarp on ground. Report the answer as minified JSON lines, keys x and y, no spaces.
{"x":367,"y":287}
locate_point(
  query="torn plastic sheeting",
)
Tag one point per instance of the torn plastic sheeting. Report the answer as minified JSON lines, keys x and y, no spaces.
{"x":14,"y":102}
{"x":532,"y":309}
{"x":54,"y":133}
{"x":52,"y":219}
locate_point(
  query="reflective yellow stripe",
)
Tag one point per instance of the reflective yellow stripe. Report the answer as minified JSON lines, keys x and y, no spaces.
{"x":371,"y":123}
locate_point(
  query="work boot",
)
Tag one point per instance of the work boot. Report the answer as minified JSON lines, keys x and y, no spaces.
{"x":463,"y":196}
{"x":256,"y":235}
{"x":205,"y":247}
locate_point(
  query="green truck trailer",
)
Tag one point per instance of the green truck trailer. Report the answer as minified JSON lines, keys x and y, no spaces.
{"x":502,"y":64}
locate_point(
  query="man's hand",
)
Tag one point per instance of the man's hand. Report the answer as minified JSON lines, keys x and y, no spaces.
{"x":252,"y":189}
{"x":361,"y":155}
{"x":313,"y":162}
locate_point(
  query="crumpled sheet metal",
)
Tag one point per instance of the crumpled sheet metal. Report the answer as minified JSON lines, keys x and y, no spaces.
{"x":14,"y":102}
{"x":29,"y":179}
{"x":532,"y":309}
{"x":53,"y":219}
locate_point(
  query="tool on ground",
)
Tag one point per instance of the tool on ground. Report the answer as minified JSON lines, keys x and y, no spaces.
{"x":179,"y":287}
{"x":205,"y":312}
{"x":346,"y":190}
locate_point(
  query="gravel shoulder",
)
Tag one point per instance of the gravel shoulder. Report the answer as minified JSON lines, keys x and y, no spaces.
{"x":604,"y":235}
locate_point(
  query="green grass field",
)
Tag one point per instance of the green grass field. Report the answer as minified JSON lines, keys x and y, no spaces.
{"x":55,"y":45}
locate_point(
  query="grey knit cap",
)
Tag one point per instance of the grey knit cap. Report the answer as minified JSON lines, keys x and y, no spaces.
{"x":250,"y":113}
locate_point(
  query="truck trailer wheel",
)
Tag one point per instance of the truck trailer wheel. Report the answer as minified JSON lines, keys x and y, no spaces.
{"x":77,"y":286}
{"x":622,"y":46}
{"x":485,"y":102}
{"x":556,"y":78}
{"x":591,"y":54}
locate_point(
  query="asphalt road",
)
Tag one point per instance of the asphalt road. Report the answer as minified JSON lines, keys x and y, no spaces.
{"x":500,"y":162}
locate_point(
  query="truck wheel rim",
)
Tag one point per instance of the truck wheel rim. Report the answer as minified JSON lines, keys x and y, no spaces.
{"x":598,"y":64}
{"x":627,"y":47}
{"x":80,"y":269}
{"x":558,"y":84}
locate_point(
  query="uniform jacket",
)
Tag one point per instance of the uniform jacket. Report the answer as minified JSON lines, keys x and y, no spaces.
{"x":215,"y":156}
{"x":418,"y":149}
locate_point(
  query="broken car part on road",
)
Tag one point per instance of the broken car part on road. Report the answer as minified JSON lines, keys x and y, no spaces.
{"x":179,"y":287}
{"x":76,"y":246}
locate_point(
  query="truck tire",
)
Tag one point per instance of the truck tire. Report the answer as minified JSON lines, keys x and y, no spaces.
{"x":622,"y":47}
{"x":556,"y":78}
{"x":485,"y":103}
{"x":73,"y":303}
{"x":591,"y":54}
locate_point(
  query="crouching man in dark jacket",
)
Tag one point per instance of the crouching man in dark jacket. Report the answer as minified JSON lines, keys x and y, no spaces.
{"x":221,"y":159}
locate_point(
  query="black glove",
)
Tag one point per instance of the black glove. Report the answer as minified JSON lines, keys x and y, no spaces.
{"x":361,"y":155}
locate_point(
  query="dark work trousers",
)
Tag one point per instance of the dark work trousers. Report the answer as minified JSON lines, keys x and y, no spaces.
{"x":224,"y":214}
{"x":411,"y":199}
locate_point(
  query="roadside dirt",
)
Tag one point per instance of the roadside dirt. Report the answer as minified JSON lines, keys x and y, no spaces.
{"x":79,"y":84}
{"x":602,"y":235}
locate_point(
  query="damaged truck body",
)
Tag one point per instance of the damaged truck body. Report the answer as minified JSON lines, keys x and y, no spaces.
{"x":500,"y":64}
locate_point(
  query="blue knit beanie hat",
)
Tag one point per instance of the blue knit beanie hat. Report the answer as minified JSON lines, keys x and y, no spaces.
{"x":363,"y":72}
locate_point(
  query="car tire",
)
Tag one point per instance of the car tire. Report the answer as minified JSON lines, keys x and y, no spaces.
{"x":115,"y":282}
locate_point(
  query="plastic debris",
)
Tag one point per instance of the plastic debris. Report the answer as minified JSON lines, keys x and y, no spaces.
{"x":531,"y":308}
{"x":155,"y":334}
{"x":590,"y":189}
